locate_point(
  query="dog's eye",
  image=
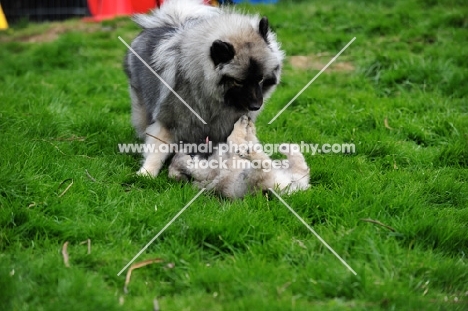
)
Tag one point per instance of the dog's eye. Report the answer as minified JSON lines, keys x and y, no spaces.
{"x":261,"y":81}
{"x":237,"y":83}
{"x":269,"y":82}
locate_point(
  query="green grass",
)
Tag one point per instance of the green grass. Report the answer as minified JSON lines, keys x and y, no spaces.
{"x":64,"y":107}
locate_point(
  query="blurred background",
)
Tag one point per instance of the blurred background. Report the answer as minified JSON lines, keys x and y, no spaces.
{"x":53,"y":10}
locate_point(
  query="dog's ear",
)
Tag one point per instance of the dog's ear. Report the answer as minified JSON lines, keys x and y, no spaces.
{"x":221,"y":52}
{"x":263,"y":28}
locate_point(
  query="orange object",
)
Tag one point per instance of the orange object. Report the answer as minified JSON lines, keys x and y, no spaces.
{"x":108,"y":9}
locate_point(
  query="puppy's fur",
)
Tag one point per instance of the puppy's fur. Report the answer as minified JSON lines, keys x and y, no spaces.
{"x":222,"y":63}
{"x":238,"y":179}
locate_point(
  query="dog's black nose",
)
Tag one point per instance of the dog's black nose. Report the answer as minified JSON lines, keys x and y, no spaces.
{"x":255,"y":105}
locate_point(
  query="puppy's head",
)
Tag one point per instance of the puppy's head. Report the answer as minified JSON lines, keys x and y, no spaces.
{"x":181,"y":166}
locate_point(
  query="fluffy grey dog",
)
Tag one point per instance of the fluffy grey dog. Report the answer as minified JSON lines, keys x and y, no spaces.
{"x":239,"y":171}
{"x":222,"y":63}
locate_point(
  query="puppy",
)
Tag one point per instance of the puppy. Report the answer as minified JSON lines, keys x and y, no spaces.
{"x":242,"y":169}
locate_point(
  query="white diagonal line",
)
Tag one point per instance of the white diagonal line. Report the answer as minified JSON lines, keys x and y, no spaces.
{"x":311,"y":81}
{"x":164,"y":82}
{"x":159,"y":233}
{"x":312,"y":230}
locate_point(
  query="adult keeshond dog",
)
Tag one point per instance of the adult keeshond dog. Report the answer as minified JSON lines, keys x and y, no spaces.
{"x":223,"y":64}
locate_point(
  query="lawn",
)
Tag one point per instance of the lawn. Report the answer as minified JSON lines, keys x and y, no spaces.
{"x":396,"y":210}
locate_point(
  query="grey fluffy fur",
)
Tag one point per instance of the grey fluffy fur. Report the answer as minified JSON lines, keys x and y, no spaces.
{"x":175,"y":42}
{"x":244,"y":170}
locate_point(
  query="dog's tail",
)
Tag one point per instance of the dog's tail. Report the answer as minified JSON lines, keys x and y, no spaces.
{"x":174,"y":13}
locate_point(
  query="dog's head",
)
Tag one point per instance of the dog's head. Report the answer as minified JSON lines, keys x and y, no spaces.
{"x":249,"y":65}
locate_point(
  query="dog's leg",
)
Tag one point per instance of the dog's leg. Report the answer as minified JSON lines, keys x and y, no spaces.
{"x":251,"y":133}
{"x":296,"y":160}
{"x":139,"y":113}
{"x":243,"y":137}
{"x":298,"y":170}
{"x":261,"y":173}
{"x":239,"y":132}
{"x":155,"y":155}
{"x":262,"y":176}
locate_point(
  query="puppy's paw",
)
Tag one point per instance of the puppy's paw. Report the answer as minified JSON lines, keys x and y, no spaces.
{"x":243,"y":136}
{"x":251,"y":133}
{"x":290,"y":149}
{"x":239,"y":132}
{"x":244,"y":120}
{"x":240,"y":127}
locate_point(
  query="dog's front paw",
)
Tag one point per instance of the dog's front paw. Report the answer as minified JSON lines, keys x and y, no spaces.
{"x":239,"y":133}
{"x":251,"y":133}
{"x":290,"y":149}
{"x":147,"y":172}
{"x":243,"y":137}
{"x":238,"y":136}
{"x":244,"y":120}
